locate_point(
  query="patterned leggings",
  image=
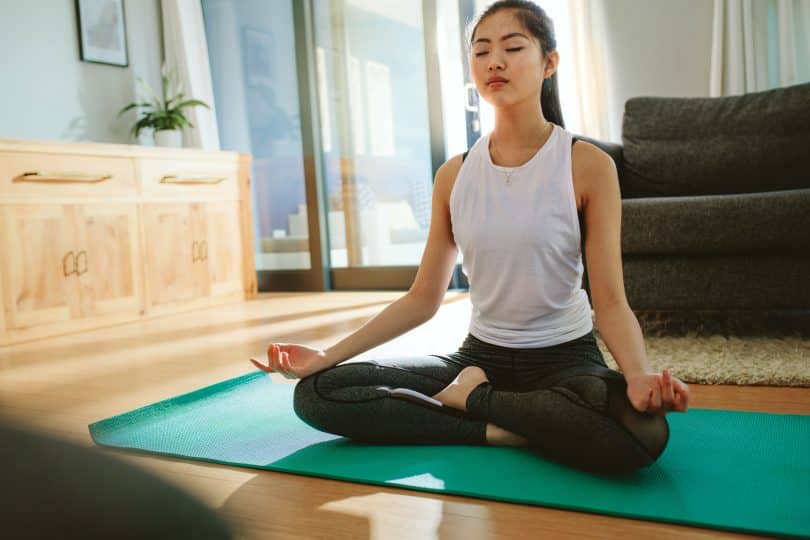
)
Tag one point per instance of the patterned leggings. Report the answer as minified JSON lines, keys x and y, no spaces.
{"x":564,"y":399}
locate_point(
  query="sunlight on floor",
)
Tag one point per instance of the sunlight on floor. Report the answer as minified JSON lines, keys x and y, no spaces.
{"x":421,"y":517}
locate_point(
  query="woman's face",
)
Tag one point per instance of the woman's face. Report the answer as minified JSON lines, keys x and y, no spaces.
{"x":518,"y":59}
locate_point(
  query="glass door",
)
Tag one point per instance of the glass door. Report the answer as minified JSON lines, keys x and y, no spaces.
{"x":348,"y":108}
{"x":375,"y":130}
{"x":251,"y":46}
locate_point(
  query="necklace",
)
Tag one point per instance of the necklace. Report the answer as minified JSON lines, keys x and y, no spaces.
{"x":507,"y":177}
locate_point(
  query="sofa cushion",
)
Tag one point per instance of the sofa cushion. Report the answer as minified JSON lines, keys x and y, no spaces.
{"x":718,"y":283}
{"x":773,"y":222}
{"x":706,"y":146}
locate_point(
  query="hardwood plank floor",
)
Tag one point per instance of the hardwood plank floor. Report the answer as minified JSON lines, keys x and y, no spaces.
{"x":60,"y":385}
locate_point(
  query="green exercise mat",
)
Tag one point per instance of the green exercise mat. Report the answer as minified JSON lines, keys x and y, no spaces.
{"x":738,"y":471}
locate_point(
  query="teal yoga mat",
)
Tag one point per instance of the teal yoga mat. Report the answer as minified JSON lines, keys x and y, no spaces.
{"x":738,"y":471}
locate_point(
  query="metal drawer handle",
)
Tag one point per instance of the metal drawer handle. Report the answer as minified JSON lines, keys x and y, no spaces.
{"x":192,"y":180}
{"x":60,"y":177}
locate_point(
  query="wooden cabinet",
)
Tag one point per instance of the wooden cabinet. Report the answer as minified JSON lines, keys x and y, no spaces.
{"x":195,"y":254}
{"x":222,"y":254}
{"x":169,"y":269}
{"x":92,"y":235}
{"x":64,"y":263}
{"x":38,"y":261}
{"x":109,"y":259}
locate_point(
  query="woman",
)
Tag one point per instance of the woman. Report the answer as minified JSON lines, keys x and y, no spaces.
{"x":530,"y":372}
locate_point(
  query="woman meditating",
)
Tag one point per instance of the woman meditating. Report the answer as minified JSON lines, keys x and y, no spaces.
{"x":530,"y":372}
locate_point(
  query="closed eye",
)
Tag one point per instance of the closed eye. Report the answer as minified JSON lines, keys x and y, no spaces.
{"x":507,"y":50}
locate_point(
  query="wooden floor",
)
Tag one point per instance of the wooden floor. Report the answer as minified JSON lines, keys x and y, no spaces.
{"x":61,"y":385}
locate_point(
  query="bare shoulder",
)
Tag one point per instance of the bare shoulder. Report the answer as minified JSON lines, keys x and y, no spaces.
{"x":589,"y":158}
{"x":447,"y":174}
{"x":593,"y":168}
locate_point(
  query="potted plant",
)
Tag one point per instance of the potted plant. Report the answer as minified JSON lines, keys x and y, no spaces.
{"x":165,"y":114}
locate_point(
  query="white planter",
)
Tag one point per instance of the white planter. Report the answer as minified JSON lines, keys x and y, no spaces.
{"x":171,"y":138}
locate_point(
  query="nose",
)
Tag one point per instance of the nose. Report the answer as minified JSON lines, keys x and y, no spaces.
{"x":495,"y":61}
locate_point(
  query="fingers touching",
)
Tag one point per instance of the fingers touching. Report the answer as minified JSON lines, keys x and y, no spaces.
{"x":673,"y":394}
{"x":278,"y":361}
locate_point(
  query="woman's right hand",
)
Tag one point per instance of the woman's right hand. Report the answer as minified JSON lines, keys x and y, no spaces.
{"x":293,"y":361}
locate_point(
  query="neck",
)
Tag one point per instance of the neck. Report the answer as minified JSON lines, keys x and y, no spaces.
{"x":520,"y":126}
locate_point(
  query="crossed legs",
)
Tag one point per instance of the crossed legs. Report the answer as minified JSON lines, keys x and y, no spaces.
{"x":582,"y":419}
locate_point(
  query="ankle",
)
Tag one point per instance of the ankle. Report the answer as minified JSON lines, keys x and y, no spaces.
{"x":497,"y":436}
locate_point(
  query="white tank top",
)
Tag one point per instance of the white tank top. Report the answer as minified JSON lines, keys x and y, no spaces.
{"x":521,"y":246}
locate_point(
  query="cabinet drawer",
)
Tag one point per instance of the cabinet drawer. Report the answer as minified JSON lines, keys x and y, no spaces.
{"x":172,"y":178}
{"x":65,"y":175}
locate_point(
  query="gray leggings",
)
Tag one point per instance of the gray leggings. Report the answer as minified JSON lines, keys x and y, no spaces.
{"x":563,"y":399}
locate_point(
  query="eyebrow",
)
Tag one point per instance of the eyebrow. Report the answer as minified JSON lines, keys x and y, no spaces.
{"x":504,"y":38}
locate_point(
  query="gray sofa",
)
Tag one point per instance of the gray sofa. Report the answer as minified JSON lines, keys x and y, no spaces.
{"x":716,"y":201}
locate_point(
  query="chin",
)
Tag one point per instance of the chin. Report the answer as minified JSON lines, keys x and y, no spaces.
{"x":500,"y":101}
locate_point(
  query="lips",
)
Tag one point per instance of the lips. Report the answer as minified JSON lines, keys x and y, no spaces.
{"x":496,"y":80}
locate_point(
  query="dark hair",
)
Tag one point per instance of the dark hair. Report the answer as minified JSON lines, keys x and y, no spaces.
{"x":534,"y":19}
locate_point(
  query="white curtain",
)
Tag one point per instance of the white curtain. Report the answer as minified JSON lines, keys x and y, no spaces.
{"x":587,"y":59}
{"x":186,"y":53}
{"x":758,"y":45}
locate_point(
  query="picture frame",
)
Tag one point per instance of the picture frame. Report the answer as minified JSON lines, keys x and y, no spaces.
{"x":102,"y":32}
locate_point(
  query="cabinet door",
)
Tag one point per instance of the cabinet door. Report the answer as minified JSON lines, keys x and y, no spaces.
{"x":3,"y":337}
{"x":199,"y":251}
{"x":38,"y":265}
{"x":108,"y":260}
{"x":167,"y":246}
{"x":224,"y":247}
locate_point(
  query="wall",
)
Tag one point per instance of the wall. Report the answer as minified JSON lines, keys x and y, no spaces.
{"x":49,"y":93}
{"x":652,"y":47}
{"x":656,"y":48}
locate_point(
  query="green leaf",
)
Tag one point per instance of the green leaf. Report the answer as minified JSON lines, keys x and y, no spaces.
{"x":127,"y":108}
{"x":178,"y":96}
{"x":192,"y":103}
{"x":142,"y":124}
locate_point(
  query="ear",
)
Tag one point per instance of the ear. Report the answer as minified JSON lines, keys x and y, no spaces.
{"x":552,"y":60}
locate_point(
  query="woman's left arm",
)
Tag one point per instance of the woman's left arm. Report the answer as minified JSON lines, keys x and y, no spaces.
{"x":618,"y":325}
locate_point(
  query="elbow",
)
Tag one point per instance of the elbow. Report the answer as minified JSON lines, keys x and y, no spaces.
{"x":609,"y":305}
{"x":423,"y":306}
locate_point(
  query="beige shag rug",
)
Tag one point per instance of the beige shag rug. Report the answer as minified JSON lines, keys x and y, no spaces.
{"x":728,"y":348}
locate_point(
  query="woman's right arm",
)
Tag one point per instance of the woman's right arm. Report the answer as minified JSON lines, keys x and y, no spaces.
{"x":417,"y":306}
{"x":423,"y":299}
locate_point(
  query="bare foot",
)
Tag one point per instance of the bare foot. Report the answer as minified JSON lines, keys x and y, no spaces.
{"x":455,"y":394}
{"x":497,"y":436}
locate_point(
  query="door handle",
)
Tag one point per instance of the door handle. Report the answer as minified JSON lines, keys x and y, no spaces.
{"x":68,"y":257}
{"x":79,"y":269}
{"x":470,"y":97}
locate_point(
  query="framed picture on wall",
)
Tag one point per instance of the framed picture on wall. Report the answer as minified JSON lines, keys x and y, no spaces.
{"x":102,"y":31}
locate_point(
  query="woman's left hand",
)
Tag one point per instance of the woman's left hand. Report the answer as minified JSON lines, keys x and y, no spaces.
{"x":657,"y":392}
